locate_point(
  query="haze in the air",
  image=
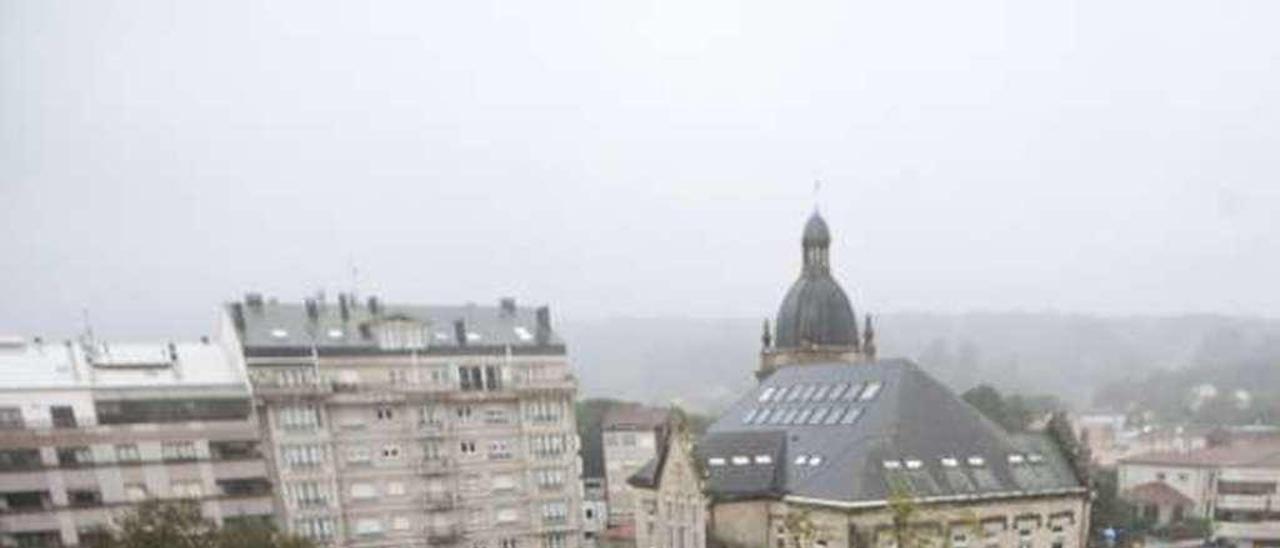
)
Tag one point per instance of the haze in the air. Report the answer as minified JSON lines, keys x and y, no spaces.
{"x":636,"y":158}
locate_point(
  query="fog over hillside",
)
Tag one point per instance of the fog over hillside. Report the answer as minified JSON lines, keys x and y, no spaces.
{"x":705,"y":363}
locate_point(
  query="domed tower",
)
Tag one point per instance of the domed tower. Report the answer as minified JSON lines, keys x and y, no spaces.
{"x":816,"y":322}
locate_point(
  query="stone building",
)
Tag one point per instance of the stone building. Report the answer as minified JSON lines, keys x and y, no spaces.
{"x":89,"y":428}
{"x":391,"y":425}
{"x":630,"y":434}
{"x":671,"y":508}
{"x":837,"y":447}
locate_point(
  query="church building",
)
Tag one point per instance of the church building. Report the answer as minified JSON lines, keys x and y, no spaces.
{"x":837,"y":446}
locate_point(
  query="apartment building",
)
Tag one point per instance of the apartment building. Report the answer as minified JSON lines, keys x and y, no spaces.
{"x":630,"y":435}
{"x":1233,"y":484}
{"x":89,"y":428}
{"x":390,"y":425}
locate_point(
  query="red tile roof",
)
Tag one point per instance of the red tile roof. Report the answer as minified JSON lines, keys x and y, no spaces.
{"x":1156,"y":492}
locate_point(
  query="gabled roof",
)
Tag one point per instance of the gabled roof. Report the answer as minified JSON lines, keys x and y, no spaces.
{"x":1158,"y":493}
{"x":634,"y":417}
{"x":910,"y":435}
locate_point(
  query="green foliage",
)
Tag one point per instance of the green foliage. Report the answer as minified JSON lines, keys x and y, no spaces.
{"x":800,"y":529}
{"x":1014,"y":412}
{"x":179,"y":524}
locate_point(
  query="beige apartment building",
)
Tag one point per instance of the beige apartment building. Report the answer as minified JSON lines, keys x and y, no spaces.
{"x":406,"y":426}
{"x":1233,"y":484}
{"x":88,"y":428}
{"x":669,"y":499}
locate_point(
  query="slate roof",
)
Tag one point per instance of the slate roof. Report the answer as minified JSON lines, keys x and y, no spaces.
{"x":271,"y":327}
{"x":634,"y":417}
{"x":816,"y":309}
{"x":910,"y":435}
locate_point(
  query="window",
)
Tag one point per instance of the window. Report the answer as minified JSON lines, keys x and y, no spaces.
{"x":467,"y":447}
{"x":11,"y":418}
{"x":135,"y":492}
{"x":852,"y":394}
{"x":499,"y":450}
{"x":71,"y":457}
{"x":506,"y":515}
{"x":178,"y":451}
{"x":950,"y":462}
{"x":870,"y":391}
{"x":977,"y":461}
{"x":492,"y":378}
{"x":81,"y":498}
{"x":302,"y":456}
{"x":314,"y":528}
{"x":385,"y":413}
{"x":716,"y":461}
{"x":834,"y":416}
{"x":555,"y":512}
{"x":549,"y":478}
{"x":391,"y":452}
{"x":363,"y":491}
{"x":298,"y":417}
{"x":307,"y":494}
{"x":740,"y":460}
{"x":796,"y":392}
{"x":368,"y":527}
{"x":495,"y":416}
{"x":821,"y":394}
{"x":764,"y":459}
{"x":766,"y":394}
{"x":400,"y":523}
{"x":819,"y":414}
{"x":751,"y":415}
{"x":358,"y":455}
{"x":395,"y":489}
{"x":1160,"y":476}
{"x":851,"y":415}
{"x":187,"y":489}
{"x":470,"y":378}
{"x":128,"y":452}
{"x":63,"y":416}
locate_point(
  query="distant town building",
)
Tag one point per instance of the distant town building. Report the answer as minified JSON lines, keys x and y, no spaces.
{"x":1110,"y":439}
{"x":1234,"y":485}
{"x":595,"y":510}
{"x":671,"y":507}
{"x":835,"y":442}
{"x":405,"y":425}
{"x":631,"y":435}
{"x":87,"y":429}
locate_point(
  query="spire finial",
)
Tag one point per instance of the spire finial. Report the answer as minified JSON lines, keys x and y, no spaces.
{"x":766,"y":337}
{"x":817,"y":192}
{"x":869,"y":340}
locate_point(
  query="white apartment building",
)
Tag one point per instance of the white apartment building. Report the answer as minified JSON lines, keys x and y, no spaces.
{"x":89,"y":428}
{"x":405,"y":426}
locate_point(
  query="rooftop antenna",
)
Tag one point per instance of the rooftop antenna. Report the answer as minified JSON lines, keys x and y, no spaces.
{"x":355,"y":279}
{"x":88,"y":326}
{"x":817,"y":192}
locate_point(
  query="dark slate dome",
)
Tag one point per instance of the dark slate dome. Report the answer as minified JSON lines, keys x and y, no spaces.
{"x":816,"y":310}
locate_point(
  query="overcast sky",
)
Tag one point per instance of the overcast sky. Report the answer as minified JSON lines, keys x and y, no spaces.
{"x":636,"y":158}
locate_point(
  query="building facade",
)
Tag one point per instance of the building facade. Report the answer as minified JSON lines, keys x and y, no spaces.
{"x":630,"y":435}
{"x":838,"y":447}
{"x":1234,"y":485}
{"x":412,"y":426}
{"x":671,"y":508}
{"x":87,"y":429}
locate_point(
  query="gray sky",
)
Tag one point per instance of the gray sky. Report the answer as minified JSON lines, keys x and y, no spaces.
{"x":636,"y":157}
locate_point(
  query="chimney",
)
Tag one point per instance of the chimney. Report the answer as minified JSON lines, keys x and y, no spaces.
{"x":344,"y":306}
{"x":543,"y":329}
{"x":237,"y":316}
{"x":508,"y":305}
{"x":313,"y":309}
{"x":460,"y":331}
{"x":204,"y":339}
{"x":173,"y":352}
{"x":254,"y":300}
{"x":374,"y":307}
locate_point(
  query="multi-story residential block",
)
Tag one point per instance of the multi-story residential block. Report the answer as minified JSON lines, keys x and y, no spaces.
{"x":630,"y":435}
{"x":406,"y":426}
{"x":1234,"y":485}
{"x":87,"y":429}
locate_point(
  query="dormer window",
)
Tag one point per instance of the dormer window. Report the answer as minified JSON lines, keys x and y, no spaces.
{"x":402,"y":334}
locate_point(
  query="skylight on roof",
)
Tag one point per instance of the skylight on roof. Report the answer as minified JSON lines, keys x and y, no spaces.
{"x":1035,"y":458}
{"x":870,"y":391}
{"x":716,"y":461}
{"x":335,"y":333}
{"x":977,"y":461}
{"x":768,"y":392}
{"x":279,"y":333}
{"x":796,"y":392}
{"x":801,"y":459}
{"x":750,"y":415}
{"x":472,"y":336}
{"x":834,"y":416}
{"x":763,"y":417}
{"x":781,"y":394}
{"x":1017,"y":458}
{"x":740,"y":460}
{"x":815,"y":460}
{"x":804,"y":416}
{"x":838,"y":391}
{"x":851,"y":416}
{"x":790,"y":417}
{"x":523,"y":333}
{"x":764,"y":459}
{"x":821,"y":394}
{"x":913,"y":464}
{"x":950,"y":462}
{"x":892,"y":464}
{"x":819,"y":414}
{"x":808,"y":393}
{"x":853,"y":392}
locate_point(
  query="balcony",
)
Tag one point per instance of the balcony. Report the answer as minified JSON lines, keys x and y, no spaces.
{"x":435,"y":467}
{"x":439,"y":502}
{"x":1247,"y":530}
{"x":444,"y":535}
{"x":274,"y":390}
{"x":1249,"y":502}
